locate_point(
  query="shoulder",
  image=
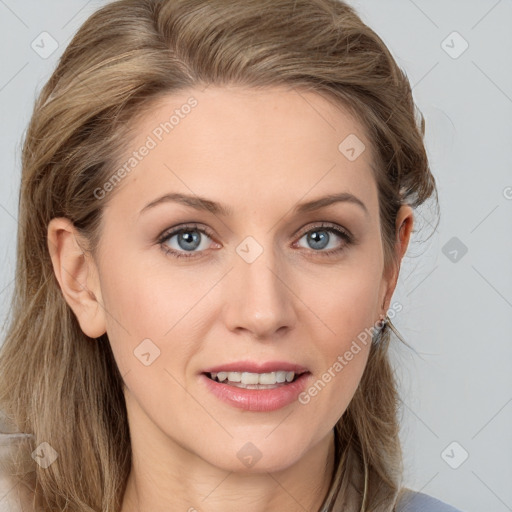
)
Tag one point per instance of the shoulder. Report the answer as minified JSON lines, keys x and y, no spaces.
{"x":412,"y":501}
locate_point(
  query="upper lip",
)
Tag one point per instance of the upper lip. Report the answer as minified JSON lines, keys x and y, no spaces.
{"x":256,"y":367}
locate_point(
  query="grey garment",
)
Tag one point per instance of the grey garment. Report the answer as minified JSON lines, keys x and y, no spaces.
{"x":413,"y":501}
{"x":408,"y":501}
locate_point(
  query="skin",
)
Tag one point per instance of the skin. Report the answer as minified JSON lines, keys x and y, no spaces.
{"x":260,"y":153}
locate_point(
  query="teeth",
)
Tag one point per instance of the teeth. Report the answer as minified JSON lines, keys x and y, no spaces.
{"x":280,"y":376}
{"x":254,"y":378}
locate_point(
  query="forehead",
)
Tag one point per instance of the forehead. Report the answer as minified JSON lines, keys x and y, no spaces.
{"x":239,"y":145}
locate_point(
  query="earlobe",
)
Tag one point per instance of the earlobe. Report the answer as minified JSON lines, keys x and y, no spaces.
{"x":76,"y":274}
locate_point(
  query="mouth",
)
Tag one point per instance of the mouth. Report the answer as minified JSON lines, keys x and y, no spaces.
{"x":256,"y":387}
{"x":250,"y":380}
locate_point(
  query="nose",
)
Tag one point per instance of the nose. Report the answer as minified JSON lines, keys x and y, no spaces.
{"x":259,"y":297}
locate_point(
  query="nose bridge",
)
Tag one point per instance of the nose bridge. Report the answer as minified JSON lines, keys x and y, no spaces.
{"x":260,"y":299}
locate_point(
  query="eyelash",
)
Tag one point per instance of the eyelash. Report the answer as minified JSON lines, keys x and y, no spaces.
{"x":347,"y":237}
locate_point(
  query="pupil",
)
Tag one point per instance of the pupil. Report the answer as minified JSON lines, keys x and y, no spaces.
{"x":189,"y":239}
{"x":314,"y":236}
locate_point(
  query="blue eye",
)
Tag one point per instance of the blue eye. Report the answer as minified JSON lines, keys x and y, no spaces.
{"x":319,"y":240}
{"x":188,"y":240}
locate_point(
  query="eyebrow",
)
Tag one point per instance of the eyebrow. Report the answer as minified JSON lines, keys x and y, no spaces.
{"x":201,"y":203}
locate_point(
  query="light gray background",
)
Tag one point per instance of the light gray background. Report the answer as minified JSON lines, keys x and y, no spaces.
{"x":456,"y":307}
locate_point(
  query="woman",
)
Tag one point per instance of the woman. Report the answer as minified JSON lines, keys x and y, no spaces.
{"x":215,"y":201}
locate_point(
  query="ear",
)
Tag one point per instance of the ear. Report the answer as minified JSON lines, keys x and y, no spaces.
{"x":77,"y":275}
{"x":403,"y":227}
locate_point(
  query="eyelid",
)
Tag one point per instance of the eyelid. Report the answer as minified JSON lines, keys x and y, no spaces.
{"x":184,"y":227}
{"x":323,"y":224}
{"x":342,"y":232}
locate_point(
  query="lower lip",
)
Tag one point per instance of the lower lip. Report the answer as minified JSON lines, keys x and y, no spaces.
{"x":258,"y":400}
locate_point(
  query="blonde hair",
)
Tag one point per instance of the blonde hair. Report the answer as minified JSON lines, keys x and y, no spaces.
{"x":65,"y":388}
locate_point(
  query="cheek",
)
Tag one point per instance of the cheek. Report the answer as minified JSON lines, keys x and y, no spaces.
{"x":147,"y":300}
{"x":147,"y":303}
{"x":349,"y":302}
{"x":349,"y":311}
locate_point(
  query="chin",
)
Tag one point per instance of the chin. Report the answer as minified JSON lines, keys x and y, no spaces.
{"x":257,"y":456}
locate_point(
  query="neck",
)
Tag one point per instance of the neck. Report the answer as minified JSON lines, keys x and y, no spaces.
{"x":186,"y":482}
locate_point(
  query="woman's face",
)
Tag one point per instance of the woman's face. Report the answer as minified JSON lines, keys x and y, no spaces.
{"x":255,"y":277}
